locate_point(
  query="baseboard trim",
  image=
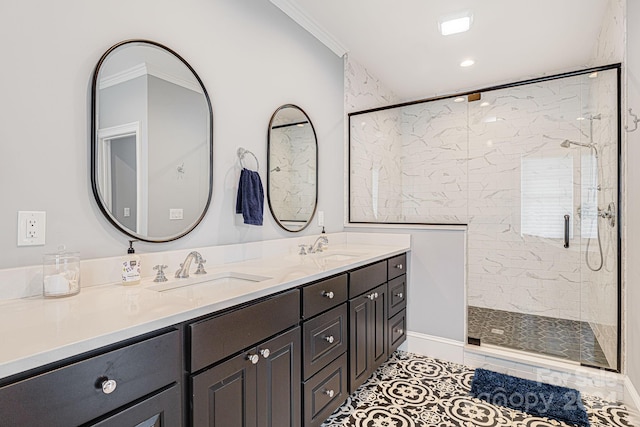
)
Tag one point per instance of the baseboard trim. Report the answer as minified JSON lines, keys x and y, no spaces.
{"x":432,"y":346}
{"x":532,"y":368}
{"x":631,"y":397}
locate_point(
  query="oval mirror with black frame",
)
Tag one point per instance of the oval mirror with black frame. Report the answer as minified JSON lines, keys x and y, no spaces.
{"x":152,"y":141}
{"x":292,"y":166}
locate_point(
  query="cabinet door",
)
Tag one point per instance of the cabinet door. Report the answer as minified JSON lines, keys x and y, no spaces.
{"x":359,"y":333}
{"x":278,"y":381}
{"x":367,"y":334}
{"x":225,"y":395}
{"x":379,"y":329}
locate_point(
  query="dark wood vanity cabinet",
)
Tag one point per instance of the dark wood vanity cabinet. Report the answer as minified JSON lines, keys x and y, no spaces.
{"x":250,"y":377}
{"x":287,"y":360}
{"x":135,"y":384}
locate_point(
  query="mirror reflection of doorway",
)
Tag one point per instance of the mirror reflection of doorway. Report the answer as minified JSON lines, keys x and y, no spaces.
{"x":124,"y":181}
{"x":121,"y":175}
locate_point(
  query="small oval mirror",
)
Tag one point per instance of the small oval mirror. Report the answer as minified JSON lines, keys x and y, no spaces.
{"x":292,"y":161}
{"x":152,"y":141}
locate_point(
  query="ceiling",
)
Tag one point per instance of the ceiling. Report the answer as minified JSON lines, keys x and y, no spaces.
{"x":399,"y":41}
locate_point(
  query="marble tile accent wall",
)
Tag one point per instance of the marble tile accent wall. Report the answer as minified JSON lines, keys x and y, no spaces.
{"x":363,"y":90}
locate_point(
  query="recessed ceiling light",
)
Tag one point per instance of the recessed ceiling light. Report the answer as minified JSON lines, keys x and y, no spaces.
{"x":300,"y":125}
{"x":454,"y":24}
{"x":459,"y":99}
{"x":580,"y":118}
{"x":485,"y":104}
{"x":593,"y":75}
{"x":467,"y":63}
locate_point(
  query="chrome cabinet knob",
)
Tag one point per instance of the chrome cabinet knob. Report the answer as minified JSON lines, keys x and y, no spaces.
{"x":375,"y":295}
{"x":109,"y":386}
{"x":329,"y":393}
{"x":253,"y":358}
{"x":330,"y":339}
{"x":399,"y":266}
{"x":399,"y":331}
{"x":329,"y":294}
{"x":370,"y":296}
{"x":265,"y":352}
{"x":399,"y":295}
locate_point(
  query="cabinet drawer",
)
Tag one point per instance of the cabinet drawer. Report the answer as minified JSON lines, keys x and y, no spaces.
{"x":325,"y":392}
{"x":397,"y":266}
{"x":325,"y":338}
{"x":397,"y":294}
{"x":323,"y":295}
{"x":368,"y":277}
{"x":74,"y":395}
{"x":218,"y":337}
{"x":397,"y":330}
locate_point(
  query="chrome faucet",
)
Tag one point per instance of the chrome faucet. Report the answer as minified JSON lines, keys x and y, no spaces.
{"x":319,"y":245}
{"x":183,"y":272}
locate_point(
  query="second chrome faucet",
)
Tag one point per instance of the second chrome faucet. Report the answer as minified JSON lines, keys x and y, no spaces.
{"x":183,"y":272}
{"x":319,"y":245}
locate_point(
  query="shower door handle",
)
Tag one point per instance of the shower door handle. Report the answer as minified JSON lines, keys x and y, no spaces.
{"x":566,"y":231}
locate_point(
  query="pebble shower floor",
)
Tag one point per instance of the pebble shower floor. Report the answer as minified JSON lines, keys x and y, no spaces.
{"x":411,"y":390}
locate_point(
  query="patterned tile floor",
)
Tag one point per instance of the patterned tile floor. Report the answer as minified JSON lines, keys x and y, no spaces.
{"x":565,"y":339}
{"x":416,"y":391}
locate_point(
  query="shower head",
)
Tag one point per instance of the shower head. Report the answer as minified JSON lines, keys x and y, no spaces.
{"x":568,"y":143}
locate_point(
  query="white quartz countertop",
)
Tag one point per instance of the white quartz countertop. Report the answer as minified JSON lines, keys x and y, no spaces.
{"x":38,"y":331}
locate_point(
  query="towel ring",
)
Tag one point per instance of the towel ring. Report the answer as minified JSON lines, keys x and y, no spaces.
{"x":242,"y":152}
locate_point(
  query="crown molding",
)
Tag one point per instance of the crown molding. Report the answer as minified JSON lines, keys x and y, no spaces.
{"x":290,"y":8}
{"x":145,"y":68}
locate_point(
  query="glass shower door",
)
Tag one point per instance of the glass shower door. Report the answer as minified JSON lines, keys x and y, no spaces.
{"x":530,"y":171}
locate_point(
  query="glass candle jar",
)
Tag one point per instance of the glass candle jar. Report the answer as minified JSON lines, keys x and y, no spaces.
{"x":61,"y":274}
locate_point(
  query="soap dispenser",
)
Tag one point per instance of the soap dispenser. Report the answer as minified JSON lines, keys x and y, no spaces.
{"x":131,"y":266}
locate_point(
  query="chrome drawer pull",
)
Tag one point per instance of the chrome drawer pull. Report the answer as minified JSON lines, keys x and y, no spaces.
{"x":375,"y":295}
{"x":370,"y":296}
{"x":329,"y":393}
{"x":253,"y":358}
{"x":265,"y":353}
{"x":399,"y":331}
{"x":109,"y":386}
{"x":330,"y":339}
{"x":399,"y":295}
{"x":329,"y":294}
{"x":399,"y":266}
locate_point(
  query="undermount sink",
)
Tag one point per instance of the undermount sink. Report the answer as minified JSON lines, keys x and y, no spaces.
{"x":338,"y":256}
{"x":217,"y":280}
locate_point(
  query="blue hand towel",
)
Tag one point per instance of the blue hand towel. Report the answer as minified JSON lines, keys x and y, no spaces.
{"x":250,"y":200}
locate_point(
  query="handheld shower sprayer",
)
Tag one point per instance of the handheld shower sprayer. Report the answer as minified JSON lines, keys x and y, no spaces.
{"x":568,"y":143}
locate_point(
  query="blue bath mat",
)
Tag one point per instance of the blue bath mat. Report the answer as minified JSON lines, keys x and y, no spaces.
{"x":545,"y":400}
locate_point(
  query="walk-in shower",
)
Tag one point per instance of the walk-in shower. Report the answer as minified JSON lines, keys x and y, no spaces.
{"x":532,"y":170}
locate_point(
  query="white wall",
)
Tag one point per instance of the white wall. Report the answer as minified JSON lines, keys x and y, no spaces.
{"x":632,"y":212}
{"x":250,"y":56}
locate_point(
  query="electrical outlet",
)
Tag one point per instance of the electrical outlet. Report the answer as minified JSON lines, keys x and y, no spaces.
{"x":176,"y":214}
{"x":320,"y":218}
{"x":31,"y":228}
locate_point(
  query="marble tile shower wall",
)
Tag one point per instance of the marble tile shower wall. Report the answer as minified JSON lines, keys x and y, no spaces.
{"x":293,"y":173}
{"x":459,"y":166}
